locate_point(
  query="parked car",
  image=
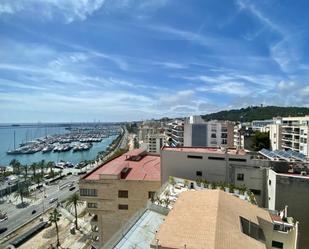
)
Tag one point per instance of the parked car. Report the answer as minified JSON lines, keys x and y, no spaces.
{"x":3,"y":229}
{"x":33,"y":212}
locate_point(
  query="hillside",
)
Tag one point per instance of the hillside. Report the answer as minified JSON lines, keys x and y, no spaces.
{"x":257,"y":113}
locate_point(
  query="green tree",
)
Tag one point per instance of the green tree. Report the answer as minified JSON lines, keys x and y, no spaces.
{"x":54,"y":218}
{"x":74,"y":201}
{"x":261,"y":140}
{"x":50,"y":165}
{"x":15,"y":164}
{"x":21,"y":193}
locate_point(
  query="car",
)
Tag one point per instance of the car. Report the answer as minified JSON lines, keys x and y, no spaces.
{"x":33,"y":212}
{"x":72,"y":188}
{"x":3,"y":229}
{"x":52,"y":200}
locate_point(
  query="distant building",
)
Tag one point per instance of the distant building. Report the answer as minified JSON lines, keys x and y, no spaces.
{"x":116,"y":190}
{"x":198,"y":133}
{"x":290,"y":133}
{"x":261,"y":125}
{"x":239,"y":136}
{"x":175,"y":133}
{"x":154,"y":143}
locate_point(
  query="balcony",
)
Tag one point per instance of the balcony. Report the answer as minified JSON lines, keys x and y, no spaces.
{"x":94,"y":220}
{"x":95,"y":228}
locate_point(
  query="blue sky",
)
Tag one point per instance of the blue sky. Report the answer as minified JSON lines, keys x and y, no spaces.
{"x":117,"y":60}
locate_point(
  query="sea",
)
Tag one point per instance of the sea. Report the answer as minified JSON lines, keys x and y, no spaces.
{"x":24,"y":133}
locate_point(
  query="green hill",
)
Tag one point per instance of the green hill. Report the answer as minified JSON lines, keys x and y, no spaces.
{"x":257,"y":113}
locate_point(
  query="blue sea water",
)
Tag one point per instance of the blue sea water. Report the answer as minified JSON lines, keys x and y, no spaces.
{"x":23,"y":134}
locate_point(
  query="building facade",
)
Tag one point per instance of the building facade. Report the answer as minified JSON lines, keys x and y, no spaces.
{"x":291,"y":190}
{"x":217,"y":165}
{"x":116,"y":190}
{"x":239,"y":136}
{"x":155,"y":142}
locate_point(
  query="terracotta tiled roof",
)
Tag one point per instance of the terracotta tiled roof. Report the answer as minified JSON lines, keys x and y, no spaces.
{"x":210,"y":219}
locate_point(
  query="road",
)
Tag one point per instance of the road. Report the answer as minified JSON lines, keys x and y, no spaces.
{"x":18,"y":216}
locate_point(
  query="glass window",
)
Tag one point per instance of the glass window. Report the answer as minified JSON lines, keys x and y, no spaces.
{"x":88,"y":192}
{"x":123,"y":207}
{"x":92,"y":205}
{"x":199,"y":173}
{"x":123,"y":194}
{"x":240,"y":177}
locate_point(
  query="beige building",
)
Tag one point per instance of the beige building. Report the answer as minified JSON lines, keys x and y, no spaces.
{"x":154,"y":143}
{"x":214,"y":219}
{"x":118,"y":189}
{"x":239,"y":137}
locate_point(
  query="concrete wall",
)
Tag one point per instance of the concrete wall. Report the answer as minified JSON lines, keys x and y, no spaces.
{"x":110,"y":218}
{"x":294,"y":192}
{"x":178,"y":164}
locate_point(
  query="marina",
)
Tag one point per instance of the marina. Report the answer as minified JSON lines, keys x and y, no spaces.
{"x":59,"y":143}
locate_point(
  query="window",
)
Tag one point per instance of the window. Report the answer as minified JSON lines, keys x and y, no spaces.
{"x":123,"y":207}
{"x":224,"y":135}
{"x":240,"y":177}
{"x":213,"y":135}
{"x":123,"y":194}
{"x":195,"y":157}
{"x":277,"y":244}
{"x":224,"y":141}
{"x":256,"y":191}
{"x":238,"y":159}
{"x":269,"y":182}
{"x":92,"y":205}
{"x":199,"y":173}
{"x":88,"y":192}
{"x":151,"y":194}
{"x":216,"y":158}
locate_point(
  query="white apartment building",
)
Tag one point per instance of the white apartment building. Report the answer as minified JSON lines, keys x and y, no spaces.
{"x":174,"y":133}
{"x":290,"y":133}
{"x":261,"y":125}
{"x":155,"y":142}
{"x":239,"y":137}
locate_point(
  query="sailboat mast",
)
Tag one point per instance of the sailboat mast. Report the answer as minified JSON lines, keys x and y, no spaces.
{"x":14,"y":141}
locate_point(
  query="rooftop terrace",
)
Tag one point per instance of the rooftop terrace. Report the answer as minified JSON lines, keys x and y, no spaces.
{"x":215,"y":150}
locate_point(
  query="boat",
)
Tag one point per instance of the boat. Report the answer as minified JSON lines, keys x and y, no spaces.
{"x":47,"y":149}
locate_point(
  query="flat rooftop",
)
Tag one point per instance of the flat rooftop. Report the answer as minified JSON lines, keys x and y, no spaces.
{"x":209,"y":150}
{"x":210,"y":219}
{"x":137,"y":163}
{"x":142,"y":232}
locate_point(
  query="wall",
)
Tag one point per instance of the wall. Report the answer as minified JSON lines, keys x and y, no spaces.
{"x":111,"y":219}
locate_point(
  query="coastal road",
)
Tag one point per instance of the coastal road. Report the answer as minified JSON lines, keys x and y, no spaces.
{"x":17,"y":217}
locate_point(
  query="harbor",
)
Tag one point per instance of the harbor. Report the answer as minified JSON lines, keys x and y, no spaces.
{"x":72,"y":144}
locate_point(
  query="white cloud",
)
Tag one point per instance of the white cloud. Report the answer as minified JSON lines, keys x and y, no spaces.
{"x":70,"y":10}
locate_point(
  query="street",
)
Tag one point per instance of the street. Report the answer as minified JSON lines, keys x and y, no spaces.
{"x":18,"y":216}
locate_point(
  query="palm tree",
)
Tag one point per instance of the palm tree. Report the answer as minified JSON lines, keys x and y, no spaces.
{"x":50,"y":165}
{"x":33,"y":168}
{"x":54,"y":218}
{"x":16,"y":166}
{"x":75,"y":201}
{"x":21,"y":192}
{"x":26,"y":176}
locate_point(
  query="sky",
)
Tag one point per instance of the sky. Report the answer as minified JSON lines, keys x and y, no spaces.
{"x":123,"y":60}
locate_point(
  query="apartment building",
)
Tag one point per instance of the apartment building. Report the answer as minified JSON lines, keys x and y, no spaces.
{"x":239,"y":136}
{"x":215,"y":219}
{"x":228,"y":165}
{"x":261,"y":125}
{"x":174,"y":133}
{"x":290,"y":133}
{"x":291,"y":190}
{"x":116,"y":190}
{"x":199,"y":133}
{"x":154,"y":143}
